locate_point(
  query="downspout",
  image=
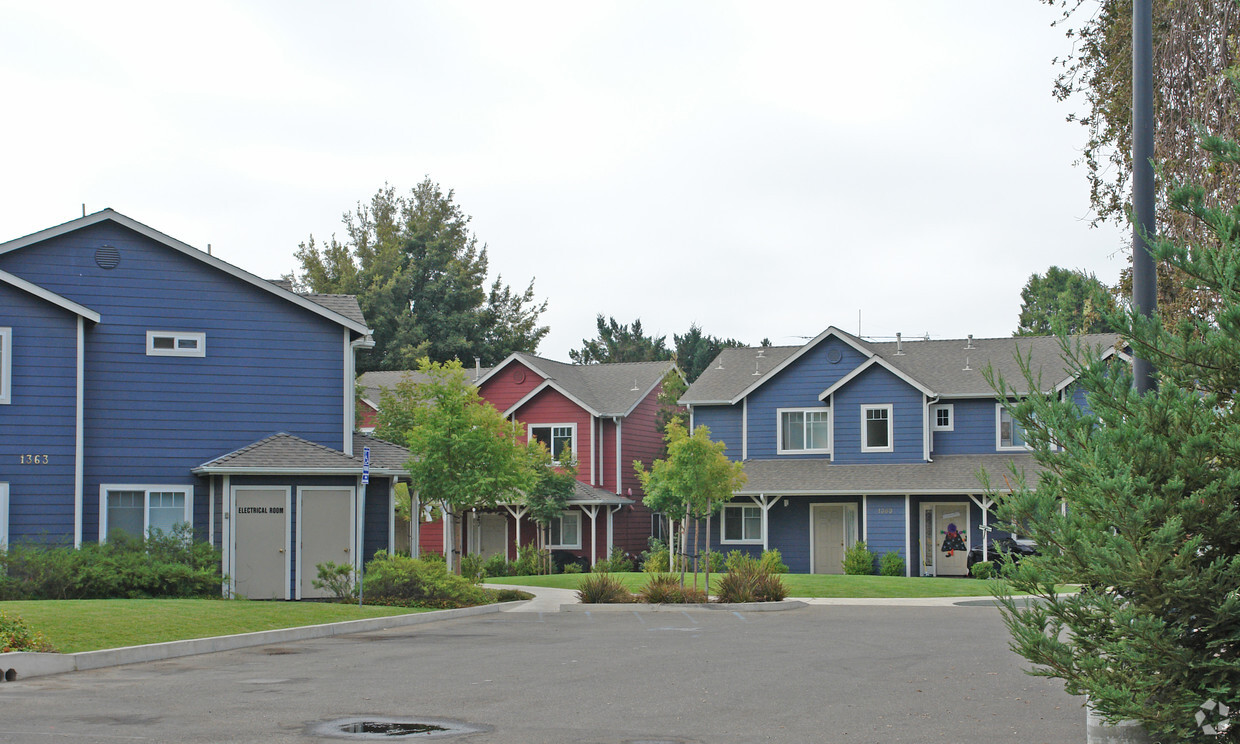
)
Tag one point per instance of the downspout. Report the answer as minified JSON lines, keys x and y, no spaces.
{"x":79,"y":457}
{"x":358,"y":557}
{"x":744,"y":428}
{"x":593,"y":446}
{"x":925,"y":424}
{"x":618,"y":422}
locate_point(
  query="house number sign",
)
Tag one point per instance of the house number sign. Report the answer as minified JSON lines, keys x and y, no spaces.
{"x":33,"y":459}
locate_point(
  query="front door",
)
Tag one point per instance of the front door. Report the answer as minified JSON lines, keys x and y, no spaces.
{"x":260,"y":524}
{"x":324,"y":534}
{"x":951,"y":539}
{"x":491,"y":535}
{"x":829,"y":538}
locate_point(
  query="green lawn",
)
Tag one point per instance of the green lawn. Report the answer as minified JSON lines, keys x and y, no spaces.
{"x":89,"y":624}
{"x":801,"y":585}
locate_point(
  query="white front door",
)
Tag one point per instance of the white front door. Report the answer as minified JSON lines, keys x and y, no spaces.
{"x":260,"y":528}
{"x":951,"y":539}
{"x":834,"y":531}
{"x":325,"y":533}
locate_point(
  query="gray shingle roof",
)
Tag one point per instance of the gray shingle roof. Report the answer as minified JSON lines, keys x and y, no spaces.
{"x":374,"y":383}
{"x":609,"y":389}
{"x":587,"y":494}
{"x":946,"y":474}
{"x":343,"y":304}
{"x":939,"y":365}
{"x":286,"y":453}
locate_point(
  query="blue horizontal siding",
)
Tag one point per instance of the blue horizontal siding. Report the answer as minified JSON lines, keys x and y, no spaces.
{"x":877,"y":386}
{"x":724,"y":423}
{"x":378,"y":494}
{"x":885,"y":532}
{"x":973,"y":429}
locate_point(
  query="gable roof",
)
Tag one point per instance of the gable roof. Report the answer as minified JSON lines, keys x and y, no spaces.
{"x":110,"y":215}
{"x":284,"y":453}
{"x":611,"y":389}
{"x":49,"y":296}
{"x":374,"y":383}
{"x":943,"y":368}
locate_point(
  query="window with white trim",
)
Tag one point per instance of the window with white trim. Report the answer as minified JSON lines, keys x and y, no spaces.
{"x":564,"y":531}
{"x":876,"y":429}
{"x":742,"y":524}
{"x":176,"y":343}
{"x":942,"y":417}
{"x":6,"y":365}
{"x":804,"y":430}
{"x":1010,"y":435}
{"x":136,"y":510}
{"x":555,"y":437}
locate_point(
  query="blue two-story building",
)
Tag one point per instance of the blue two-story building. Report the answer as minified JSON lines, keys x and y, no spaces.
{"x":845,"y":439}
{"x":145,"y":383}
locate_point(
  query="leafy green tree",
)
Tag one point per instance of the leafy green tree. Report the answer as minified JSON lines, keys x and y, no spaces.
{"x":1064,"y":301}
{"x":1151,"y":485}
{"x":463,"y":453}
{"x":696,"y":350}
{"x":692,"y":483}
{"x":419,"y":273}
{"x":618,"y":342}
{"x":1195,"y":51}
{"x":552,"y":485}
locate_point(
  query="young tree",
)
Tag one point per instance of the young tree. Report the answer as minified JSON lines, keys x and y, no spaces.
{"x":693,"y":482}
{"x":419,"y":273}
{"x":552,"y":485}
{"x":463,"y":453}
{"x":618,"y":342}
{"x":1150,"y":490}
{"x":1064,"y":301}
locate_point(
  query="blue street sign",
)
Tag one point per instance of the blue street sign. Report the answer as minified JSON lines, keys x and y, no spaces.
{"x":365,"y":466}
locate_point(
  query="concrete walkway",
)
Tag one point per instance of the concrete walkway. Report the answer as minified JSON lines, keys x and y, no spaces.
{"x":545,"y":598}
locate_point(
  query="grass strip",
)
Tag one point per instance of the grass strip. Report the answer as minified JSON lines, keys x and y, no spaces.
{"x":74,"y":625}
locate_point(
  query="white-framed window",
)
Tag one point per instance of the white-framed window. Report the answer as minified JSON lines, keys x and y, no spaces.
{"x":742,"y":524}
{"x":6,"y":365}
{"x":942,"y":417}
{"x":176,"y":343}
{"x":876,"y":429}
{"x":565,"y":531}
{"x":1009,"y":434}
{"x":556,"y":437}
{"x":138,"y":509}
{"x":804,"y":430}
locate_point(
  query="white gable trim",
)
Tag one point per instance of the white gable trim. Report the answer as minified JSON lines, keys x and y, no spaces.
{"x":872,"y":361}
{"x":1110,"y":352}
{"x":49,"y":296}
{"x":543,"y":386}
{"x":517,"y":356}
{"x":670,"y":366}
{"x":106,"y":215}
{"x":831,"y":331}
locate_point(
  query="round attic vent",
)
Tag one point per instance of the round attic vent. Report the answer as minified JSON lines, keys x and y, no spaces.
{"x":834,"y":356}
{"x":107,"y":257}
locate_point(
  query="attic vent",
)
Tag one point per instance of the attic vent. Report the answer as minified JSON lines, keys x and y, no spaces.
{"x":107,"y":257}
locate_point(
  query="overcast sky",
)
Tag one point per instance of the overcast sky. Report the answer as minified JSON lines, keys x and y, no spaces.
{"x":765,"y":169}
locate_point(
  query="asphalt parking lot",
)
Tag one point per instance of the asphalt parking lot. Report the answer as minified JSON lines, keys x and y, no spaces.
{"x":817,"y":674}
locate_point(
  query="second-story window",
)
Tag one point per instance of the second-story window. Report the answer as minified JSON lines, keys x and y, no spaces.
{"x":176,"y":343}
{"x":876,"y":428}
{"x":1010,"y":434}
{"x":804,"y":430}
{"x":941,"y":417}
{"x":556,"y":437}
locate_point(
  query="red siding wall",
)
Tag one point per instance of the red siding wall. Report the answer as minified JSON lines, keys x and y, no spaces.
{"x":509,"y":385}
{"x":551,"y":407}
{"x":369,"y":416}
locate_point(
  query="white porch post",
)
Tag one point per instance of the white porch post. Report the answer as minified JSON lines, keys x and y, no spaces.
{"x":592,"y":510}
{"x":766,"y":502}
{"x":415,"y":522}
{"x":517,"y":512}
{"x":984,"y":503}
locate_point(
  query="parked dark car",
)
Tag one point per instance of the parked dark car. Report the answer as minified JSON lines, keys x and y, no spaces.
{"x":1003,"y":548}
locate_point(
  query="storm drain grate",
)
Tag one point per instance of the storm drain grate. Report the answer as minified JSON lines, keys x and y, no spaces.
{"x":380,"y":728}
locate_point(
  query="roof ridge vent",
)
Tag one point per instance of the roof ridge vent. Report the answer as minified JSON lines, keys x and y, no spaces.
{"x":967,"y":368}
{"x":899,"y":345}
{"x":969,"y":343}
{"x":760,"y":350}
{"x":635,"y":388}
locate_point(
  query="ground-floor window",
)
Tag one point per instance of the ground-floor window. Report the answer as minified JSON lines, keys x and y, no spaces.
{"x":742,"y":524}
{"x":565,"y":531}
{"x":136,"y":510}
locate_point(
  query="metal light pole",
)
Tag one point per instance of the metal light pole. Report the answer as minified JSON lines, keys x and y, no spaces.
{"x":1144,"y":279}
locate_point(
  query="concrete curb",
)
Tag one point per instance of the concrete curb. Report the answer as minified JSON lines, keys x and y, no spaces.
{"x":23,"y":665}
{"x":787,"y":604}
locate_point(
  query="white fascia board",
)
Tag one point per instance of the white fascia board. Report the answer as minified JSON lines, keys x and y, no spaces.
{"x":516,"y":356}
{"x":527,"y":398}
{"x":225,"y":470}
{"x":831,"y":331}
{"x":877,"y":360}
{"x":50,"y":296}
{"x":546,"y":383}
{"x":858,"y":492}
{"x":670,"y":366}
{"x":1110,"y":352}
{"x":189,"y":250}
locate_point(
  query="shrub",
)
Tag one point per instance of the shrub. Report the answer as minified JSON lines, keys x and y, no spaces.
{"x":602,"y":588}
{"x":738,"y":559}
{"x":983,"y":570}
{"x":891,"y":564}
{"x":749,"y":581}
{"x":338,"y":578}
{"x":472,"y":568}
{"x":715,"y":560}
{"x":662,"y":588}
{"x":859,"y":560}
{"x":656,"y":561}
{"x":430,"y":555}
{"x":690,"y":595}
{"x":773,"y":562}
{"x":617,"y":562}
{"x":530,"y":561}
{"x":408,"y":582}
{"x":572,"y":568}
{"x":508,"y":595}
{"x":497,"y":565}
{"x":16,"y":635}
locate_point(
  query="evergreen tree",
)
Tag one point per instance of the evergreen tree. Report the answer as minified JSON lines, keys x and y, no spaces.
{"x":696,"y":350}
{"x":1064,"y":301}
{"x":1151,"y":486}
{"x":618,"y":342}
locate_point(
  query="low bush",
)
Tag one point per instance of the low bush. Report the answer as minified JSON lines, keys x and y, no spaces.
{"x":509,"y":595}
{"x":983,"y":570}
{"x":859,"y":560}
{"x":773,"y":562}
{"x":162,"y":565}
{"x":617,"y":562}
{"x":16,"y":635}
{"x":530,"y":561}
{"x":602,"y":588}
{"x":891,"y":564}
{"x":715,"y":560}
{"x":430,"y":555}
{"x":738,"y":558}
{"x":662,"y":588}
{"x":572,"y":568}
{"x":408,"y":582}
{"x":497,"y":565}
{"x":473,"y":568}
{"x":749,"y":581}
{"x":337,"y":578}
{"x":656,"y":561}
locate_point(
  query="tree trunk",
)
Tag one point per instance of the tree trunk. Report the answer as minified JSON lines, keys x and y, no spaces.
{"x":684,"y":539}
{"x":696,"y":524}
{"x":708,"y":555}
